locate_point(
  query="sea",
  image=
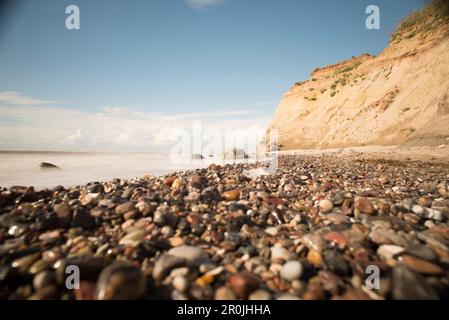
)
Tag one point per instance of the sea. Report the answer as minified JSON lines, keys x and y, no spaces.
{"x":22,"y":168}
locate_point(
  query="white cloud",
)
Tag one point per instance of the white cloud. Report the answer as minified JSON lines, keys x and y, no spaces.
{"x":17,"y":99}
{"x":71,"y":139}
{"x":112,"y":128}
{"x":201,"y":4}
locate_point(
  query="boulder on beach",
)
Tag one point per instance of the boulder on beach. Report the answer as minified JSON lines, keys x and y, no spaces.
{"x":47,"y":166}
{"x":234,"y":154}
{"x":197,"y":156}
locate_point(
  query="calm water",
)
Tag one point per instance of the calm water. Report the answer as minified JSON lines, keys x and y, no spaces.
{"x":21,"y":168}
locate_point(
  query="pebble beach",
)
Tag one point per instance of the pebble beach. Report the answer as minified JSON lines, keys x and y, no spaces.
{"x":308,"y":231}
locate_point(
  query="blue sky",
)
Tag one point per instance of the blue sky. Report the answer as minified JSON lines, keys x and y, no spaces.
{"x":176,"y":57}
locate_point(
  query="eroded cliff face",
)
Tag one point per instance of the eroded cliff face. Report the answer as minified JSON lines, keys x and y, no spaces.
{"x":398,"y":97}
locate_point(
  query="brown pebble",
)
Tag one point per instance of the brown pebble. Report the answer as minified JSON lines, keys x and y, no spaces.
{"x":337,"y":238}
{"x":364,"y":205}
{"x":177,"y":184}
{"x":86,"y":291}
{"x":224,"y":293}
{"x":314,"y":257}
{"x":421,"y":266}
{"x":243,"y":284}
{"x":168,"y":181}
{"x":124,"y":208}
{"x":231,"y":195}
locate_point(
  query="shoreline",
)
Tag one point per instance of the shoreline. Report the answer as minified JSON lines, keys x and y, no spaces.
{"x":398,"y":153}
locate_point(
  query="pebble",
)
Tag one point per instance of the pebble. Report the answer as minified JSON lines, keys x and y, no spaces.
{"x":272,"y":231}
{"x":177,"y":184}
{"x":315,"y":258}
{"x":43,"y":279}
{"x":120,"y":281}
{"x":188,"y":253}
{"x":197,"y":182}
{"x":408,"y":285}
{"x":389,"y":251}
{"x":165,"y":264}
{"x":287,"y":296}
{"x":224,"y":293}
{"x":64,"y":214}
{"x":420,"y":266}
{"x":243,"y":284}
{"x":124,"y":207}
{"x":40,"y":265}
{"x":326,"y":206}
{"x":337,"y":238}
{"x":364,"y":205}
{"x":180,"y":283}
{"x":133,"y":238}
{"x":291,"y":270}
{"x":260,"y":295}
{"x":231,"y":195}
{"x":22,"y":264}
{"x":422,"y":251}
{"x":279,"y":254}
{"x":82,"y":218}
{"x":337,"y":218}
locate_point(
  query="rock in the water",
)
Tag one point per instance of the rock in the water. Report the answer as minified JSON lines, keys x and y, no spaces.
{"x":234,"y":154}
{"x":197,"y":156}
{"x":47,"y":166}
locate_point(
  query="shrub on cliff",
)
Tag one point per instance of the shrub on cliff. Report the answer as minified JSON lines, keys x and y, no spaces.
{"x":433,"y":15}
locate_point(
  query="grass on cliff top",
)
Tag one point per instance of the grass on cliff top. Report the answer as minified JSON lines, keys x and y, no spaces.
{"x":353,"y":66}
{"x":429,"y":18}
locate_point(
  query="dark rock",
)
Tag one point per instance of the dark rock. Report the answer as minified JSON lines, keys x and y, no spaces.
{"x":47,"y":166}
{"x":83,"y":219}
{"x":408,"y":285}
{"x":335,"y":262}
{"x":120,"y":281}
{"x":243,"y":284}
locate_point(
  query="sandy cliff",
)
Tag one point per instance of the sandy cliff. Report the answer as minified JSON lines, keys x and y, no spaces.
{"x":398,"y":97}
